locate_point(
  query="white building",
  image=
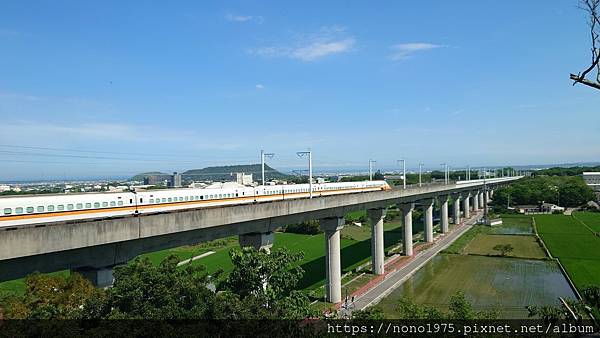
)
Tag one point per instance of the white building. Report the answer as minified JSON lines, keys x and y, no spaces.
{"x":243,"y":179}
{"x":592,"y":179}
{"x":4,"y":188}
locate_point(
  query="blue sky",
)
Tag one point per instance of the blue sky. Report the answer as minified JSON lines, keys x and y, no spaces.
{"x":151,"y":86}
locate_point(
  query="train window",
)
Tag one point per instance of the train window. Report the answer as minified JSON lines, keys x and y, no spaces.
{"x":164,"y":200}
{"x":61,"y":207}
{"x":29,"y":210}
{"x":120,"y":203}
{"x":19,"y":210}
{"x":170,"y":199}
{"x":131,"y":201}
{"x":104,"y":204}
{"x":152,"y":200}
{"x":7,"y":211}
{"x":88,"y":205}
{"x":180,"y":199}
{"x":199,"y":197}
{"x":113,"y":203}
{"x":96,"y":204}
{"x":40,"y":209}
{"x":186,"y":198}
{"x":220,"y":195}
{"x":141,"y":200}
{"x":69,"y":206}
{"x":79,"y":206}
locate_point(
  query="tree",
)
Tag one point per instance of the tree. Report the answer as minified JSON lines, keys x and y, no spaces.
{"x":266,"y":282}
{"x":145,"y":291}
{"x":52,"y":297}
{"x":378,"y":176}
{"x":592,"y":8}
{"x":503,"y":248}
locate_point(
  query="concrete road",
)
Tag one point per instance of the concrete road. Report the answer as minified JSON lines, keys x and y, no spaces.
{"x":397,"y":277}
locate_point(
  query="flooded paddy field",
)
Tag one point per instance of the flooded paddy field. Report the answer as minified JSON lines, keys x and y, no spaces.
{"x":508,"y":284}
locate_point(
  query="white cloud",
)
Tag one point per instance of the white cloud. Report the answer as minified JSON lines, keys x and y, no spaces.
{"x":243,"y":18}
{"x":326,"y":41}
{"x":406,"y":50}
{"x":321,"y":49}
{"x":259,"y":86}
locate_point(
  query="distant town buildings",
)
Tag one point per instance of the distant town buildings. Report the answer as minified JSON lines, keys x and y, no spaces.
{"x":176,"y":180}
{"x":243,"y":179}
{"x":4,"y":188}
{"x":158,"y":179}
{"x":592,"y":179}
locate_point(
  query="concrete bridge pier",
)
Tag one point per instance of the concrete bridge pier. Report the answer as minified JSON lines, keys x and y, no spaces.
{"x":481,"y":201}
{"x":466,"y":211}
{"x":333,"y":263}
{"x":475,"y":200}
{"x":456,"y":210}
{"x":100,"y":277}
{"x":444,"y":213}
{"x":257,"y":240}
{"x":428,"y":212}
{"x":487,"y":195}
{"x":377,"y":244}
{"x":491,"y":193}
{"x":407,"y":210}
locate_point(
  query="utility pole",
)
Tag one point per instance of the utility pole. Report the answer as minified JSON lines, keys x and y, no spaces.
{"x":420,"y":171}
{"x":371,"y":169}
{"x":309,"y":153}
{"x":468,"y":174}
{"x":403,"y":172}
{"x":264,"y":155}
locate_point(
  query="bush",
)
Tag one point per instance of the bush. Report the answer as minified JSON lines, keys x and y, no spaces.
{"x":306,"y":228}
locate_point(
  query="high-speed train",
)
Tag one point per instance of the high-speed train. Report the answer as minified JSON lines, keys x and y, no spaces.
{"x":34,"y":209}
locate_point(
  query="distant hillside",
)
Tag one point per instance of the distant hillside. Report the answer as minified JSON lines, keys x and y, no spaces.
{"x":221,"y":173}
{"x":227,"y":173}
{"x":140,"y":177}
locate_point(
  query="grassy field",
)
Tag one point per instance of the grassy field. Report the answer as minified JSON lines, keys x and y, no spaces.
{"x":591,"y":219}
{"x":559,"y":224}
{"x":524,"y":246}
{"x":574,"y":244}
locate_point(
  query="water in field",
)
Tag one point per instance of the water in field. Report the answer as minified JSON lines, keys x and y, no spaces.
{"x":510,"y":284}
{"x":513,"y":226}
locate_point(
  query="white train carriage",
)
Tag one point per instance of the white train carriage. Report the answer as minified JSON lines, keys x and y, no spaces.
{"x":35,"y":209}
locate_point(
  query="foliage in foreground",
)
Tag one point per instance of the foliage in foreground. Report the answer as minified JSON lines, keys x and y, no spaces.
{"x":261,"y":286}
{"x":459,"y":309}
{"x":553,"y":314}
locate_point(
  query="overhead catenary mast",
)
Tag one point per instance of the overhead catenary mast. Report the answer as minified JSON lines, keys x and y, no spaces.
{"x":309,"y":153}
{"x":264,"y":155}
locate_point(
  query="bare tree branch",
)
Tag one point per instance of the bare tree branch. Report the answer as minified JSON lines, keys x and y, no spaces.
{"x":592,"y":7}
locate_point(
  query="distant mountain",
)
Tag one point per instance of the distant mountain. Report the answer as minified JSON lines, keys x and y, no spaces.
{"x":220,"y":173}
{"x":227,"y":173}
{"x":140,"y":177}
